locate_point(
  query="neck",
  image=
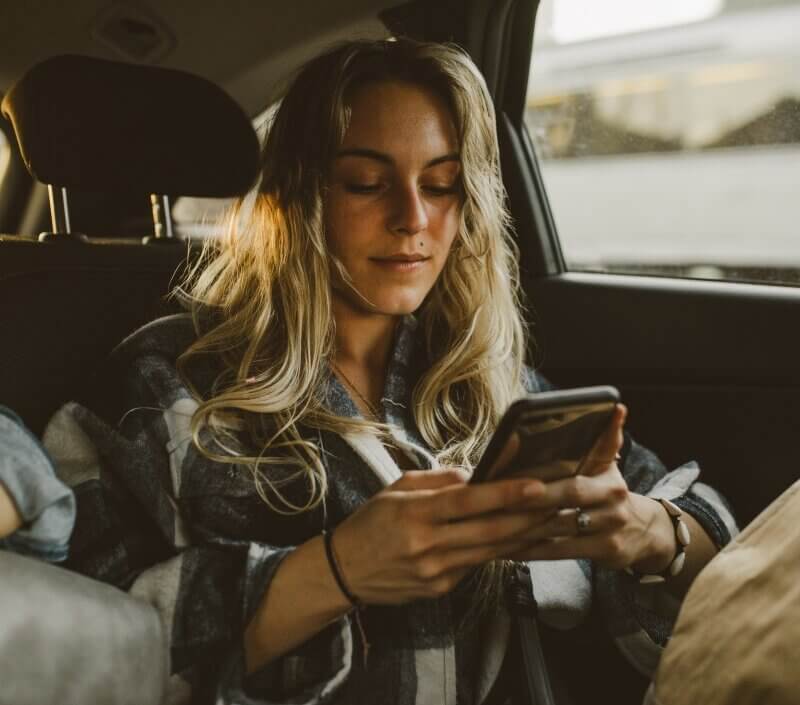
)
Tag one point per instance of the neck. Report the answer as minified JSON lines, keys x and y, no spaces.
{"x":363,"y":339}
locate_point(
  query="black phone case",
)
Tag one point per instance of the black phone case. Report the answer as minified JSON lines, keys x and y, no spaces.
{"x":549,"y":446}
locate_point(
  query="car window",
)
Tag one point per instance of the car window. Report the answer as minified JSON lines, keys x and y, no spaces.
{"x":200,"y":218}
{"x":668,"y":135}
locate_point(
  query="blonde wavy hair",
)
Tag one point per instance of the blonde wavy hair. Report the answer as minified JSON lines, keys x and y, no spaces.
{"x":261,"y":295}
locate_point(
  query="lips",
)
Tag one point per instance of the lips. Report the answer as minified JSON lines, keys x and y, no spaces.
{"x":401,"y":262}
{"x":415,"y":257}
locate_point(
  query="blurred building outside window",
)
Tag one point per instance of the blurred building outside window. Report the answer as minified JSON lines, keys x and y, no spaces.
{"x":668,"y":135}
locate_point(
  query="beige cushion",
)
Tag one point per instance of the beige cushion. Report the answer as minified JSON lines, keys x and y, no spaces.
{"x":737,"y":639}
{"x":70,"y":640}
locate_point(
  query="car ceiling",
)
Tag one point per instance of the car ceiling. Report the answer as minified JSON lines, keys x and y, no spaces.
{"x":246,"y":47}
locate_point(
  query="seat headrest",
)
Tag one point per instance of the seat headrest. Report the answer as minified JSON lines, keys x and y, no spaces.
{"x":98,"y":125}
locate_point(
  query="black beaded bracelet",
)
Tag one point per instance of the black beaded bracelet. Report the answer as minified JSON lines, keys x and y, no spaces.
{"x":327,"y":538}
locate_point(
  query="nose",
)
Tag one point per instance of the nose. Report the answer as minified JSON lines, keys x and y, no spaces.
{"x":408,"y":215}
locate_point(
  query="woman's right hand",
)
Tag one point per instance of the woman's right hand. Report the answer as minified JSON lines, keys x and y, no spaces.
{"x":415,"y":539}
{"x":420,"y":536}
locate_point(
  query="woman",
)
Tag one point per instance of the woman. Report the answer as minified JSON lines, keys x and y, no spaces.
{"x":302,"y":517}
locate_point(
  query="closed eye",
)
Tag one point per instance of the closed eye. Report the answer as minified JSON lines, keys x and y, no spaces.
{"x":362,"y":188}
{"x":442,"y":190}
{"x":370,"y":188}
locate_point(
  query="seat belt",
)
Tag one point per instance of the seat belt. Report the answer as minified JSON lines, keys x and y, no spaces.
{"x":523,"y":608}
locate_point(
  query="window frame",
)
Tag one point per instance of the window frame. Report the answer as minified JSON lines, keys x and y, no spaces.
{"x":536,"y":233}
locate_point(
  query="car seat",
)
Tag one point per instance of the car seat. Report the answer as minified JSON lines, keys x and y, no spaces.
{"x":66,"y":301}
{"x":98,"y":125}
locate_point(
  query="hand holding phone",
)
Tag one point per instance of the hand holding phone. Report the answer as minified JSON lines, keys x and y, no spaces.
{"x":548,"y":433}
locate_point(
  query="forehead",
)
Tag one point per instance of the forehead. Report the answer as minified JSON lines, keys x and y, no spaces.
{"x":401,"y":119}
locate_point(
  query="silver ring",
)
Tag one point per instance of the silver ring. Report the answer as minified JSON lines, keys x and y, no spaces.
{"x":584,"y":521}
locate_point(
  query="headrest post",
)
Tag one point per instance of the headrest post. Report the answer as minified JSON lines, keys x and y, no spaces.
{"x":162,"y":221}
{"x":162,"y":216}
{"x":59,"y":209}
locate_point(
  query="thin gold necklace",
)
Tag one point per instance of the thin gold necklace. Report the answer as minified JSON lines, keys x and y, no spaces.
{"x":376,"y":416}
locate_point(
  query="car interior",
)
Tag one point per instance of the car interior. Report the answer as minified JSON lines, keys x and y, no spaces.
{"x":114,"y":111}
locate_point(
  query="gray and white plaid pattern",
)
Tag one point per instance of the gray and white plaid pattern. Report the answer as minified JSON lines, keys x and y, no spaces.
{"x":192,"y":537}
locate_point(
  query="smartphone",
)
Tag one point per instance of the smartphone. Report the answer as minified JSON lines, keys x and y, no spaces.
{"x":549,"y":433}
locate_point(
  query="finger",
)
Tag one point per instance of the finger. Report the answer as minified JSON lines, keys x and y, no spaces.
{"x":430,"y":479}
{"x":471,"y":500}
{"x":553,"y":470}
{"x":581,"y":491}
{"x":460,"y":558}
{"x":607,"y":549}
{"x":565,"y":523}
{"x":497,"y":528}
{"x":607,"y":446}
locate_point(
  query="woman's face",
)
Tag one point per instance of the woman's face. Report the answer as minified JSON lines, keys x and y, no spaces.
{"x":393,"y":202}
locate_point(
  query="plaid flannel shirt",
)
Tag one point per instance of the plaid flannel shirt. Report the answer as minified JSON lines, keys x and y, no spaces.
{"x":193,"y":537}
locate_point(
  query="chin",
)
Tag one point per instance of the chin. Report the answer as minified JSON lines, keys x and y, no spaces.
{"x":397,"y":309}
{"x":386,"y":301}
{"x":400,"y":304}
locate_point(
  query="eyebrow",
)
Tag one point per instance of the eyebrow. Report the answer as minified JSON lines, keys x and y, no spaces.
{"x":386,"y":159}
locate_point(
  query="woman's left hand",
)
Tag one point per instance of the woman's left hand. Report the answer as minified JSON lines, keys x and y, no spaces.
{"x":594,"y":515}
